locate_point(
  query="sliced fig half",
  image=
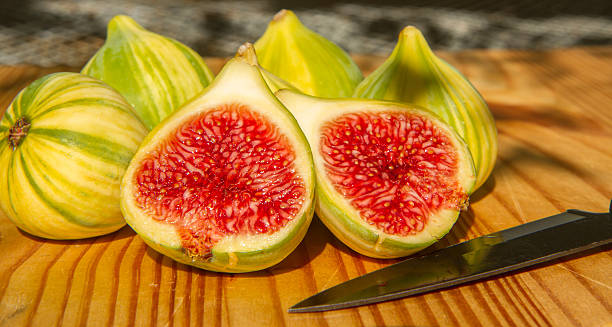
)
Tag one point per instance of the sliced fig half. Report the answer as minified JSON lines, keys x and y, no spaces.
{"x":226,"y":183}
{"x":391,"y":177}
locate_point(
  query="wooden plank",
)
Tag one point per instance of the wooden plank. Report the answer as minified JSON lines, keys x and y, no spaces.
{"x":552,"y":110}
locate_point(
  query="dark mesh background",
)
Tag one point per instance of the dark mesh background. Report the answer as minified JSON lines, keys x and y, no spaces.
{"x":68,"y":32}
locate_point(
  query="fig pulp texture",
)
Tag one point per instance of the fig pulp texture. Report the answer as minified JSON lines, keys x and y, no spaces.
{"x":414,"y":74}
{"x":391,"y":178}
{"x":307,"y":60}
{"x":65,"y":142}
{"x":156,"y":74}
{"x":227,"y":182}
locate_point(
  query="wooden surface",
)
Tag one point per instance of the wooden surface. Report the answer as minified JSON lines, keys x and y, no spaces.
{"x":553,"y":110}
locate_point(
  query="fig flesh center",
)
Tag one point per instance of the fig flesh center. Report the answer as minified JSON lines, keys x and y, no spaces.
{"x":395,"y":168}
{"x":227,"y":171}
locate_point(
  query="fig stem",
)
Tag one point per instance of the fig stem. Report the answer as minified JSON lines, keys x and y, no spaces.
{"x":18,"y":132}
{"x":247,"y":52}
{"x":280,"y":15}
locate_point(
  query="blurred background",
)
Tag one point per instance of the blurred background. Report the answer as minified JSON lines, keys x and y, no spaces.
{"x":68,"y":32}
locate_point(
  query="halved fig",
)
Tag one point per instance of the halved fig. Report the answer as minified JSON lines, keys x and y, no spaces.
{"x":226,"y":183}
{"x":391,"y":177}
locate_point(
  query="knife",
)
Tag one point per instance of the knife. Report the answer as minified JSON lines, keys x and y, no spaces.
{"x":518,"y":247}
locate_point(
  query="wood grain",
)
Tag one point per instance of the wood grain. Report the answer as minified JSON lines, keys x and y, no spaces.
{"x":553,"y":110}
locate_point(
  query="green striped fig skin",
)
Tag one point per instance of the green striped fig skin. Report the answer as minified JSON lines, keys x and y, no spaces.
{"x":305,"y":59}
{"x":62,"y":180}
{"x":414,"y":74}
{"x":154,"y":73}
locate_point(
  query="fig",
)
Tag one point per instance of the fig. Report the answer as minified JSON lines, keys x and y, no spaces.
{"x":154,"y":73}
{"x":414,"y":74}
{"x":391,"y":177}
{"x":65,"y":142}
{"x":274,"y":82}
{"x":226,"y":183}
{"x":307,"y":60}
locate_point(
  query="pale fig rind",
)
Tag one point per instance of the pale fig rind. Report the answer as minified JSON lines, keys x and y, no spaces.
{"x":336,"y":212}
{"x":61,"y":173}
{"x":414,"y":74}
{"x":245,"y":260}
{"x":274,"y":82}
{"x":240,"y":81}
{"x":154,"y":73}
{"x":307,"y":60}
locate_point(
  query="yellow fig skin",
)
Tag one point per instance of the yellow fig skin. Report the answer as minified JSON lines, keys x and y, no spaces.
{"x":65,"y":142}
{"x":305,"y":59}
{"x":414,"y":74}
{"x":154,"y":73}
{"x":274,"y":83}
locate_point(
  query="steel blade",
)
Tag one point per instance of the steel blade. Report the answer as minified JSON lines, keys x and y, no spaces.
{"x":518,"y":247}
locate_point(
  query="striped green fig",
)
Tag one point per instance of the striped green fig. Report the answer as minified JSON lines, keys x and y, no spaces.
{"x":154,"y":73}
{"x":65,"y":142}
{"x":307,"y":60}
{"x":414,"y":74}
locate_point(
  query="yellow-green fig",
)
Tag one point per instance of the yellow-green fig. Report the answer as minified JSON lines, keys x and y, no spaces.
{"x":307,"y":60}
{"x":154,"y":73}
{"x":414,"y":74}
{"x":65,"y":142}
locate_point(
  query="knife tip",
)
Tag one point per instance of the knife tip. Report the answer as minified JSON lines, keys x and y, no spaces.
{"x":302,"y":307}
{"x":308,"y":306}
{"x":295,"y":310}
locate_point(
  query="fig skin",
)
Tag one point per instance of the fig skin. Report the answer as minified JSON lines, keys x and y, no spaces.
{"x":154,"y":73}
{"x":336,"y":212}
{"x":307,"y":60}
{"x":62,"y":170}
{"x":239,"y":81}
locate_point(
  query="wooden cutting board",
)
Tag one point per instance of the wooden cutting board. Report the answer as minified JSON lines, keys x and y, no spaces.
{"x":553,"y":110}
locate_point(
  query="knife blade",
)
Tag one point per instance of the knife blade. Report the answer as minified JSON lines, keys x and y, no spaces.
{"x":525,"y":245}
